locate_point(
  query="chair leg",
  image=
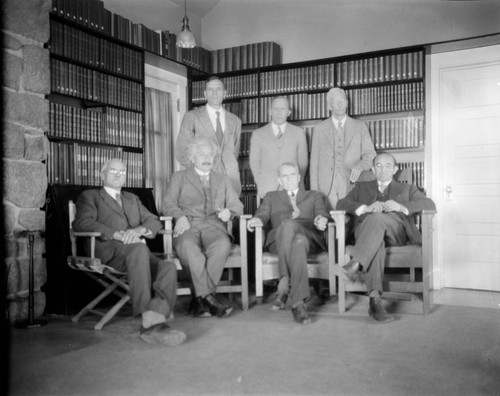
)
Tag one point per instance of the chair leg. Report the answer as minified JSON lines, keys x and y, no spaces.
{"x":112,"y":312}
{"x":341,"y":295}
{"x":109,"y":289}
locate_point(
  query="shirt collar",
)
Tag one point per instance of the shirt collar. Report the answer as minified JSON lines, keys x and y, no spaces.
{"x":337,"y":122}
{"x":112,"y":191}
{"x":275,"y":127}
{"x":200,"y":173}
{"x":212,"y":111}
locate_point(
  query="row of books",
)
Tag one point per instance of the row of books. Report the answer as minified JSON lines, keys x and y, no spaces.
{"x":94,"y":51}
{"x":247,"y":56}
{"x":247,"y":180}
{"x":384,"y":68}
{"x":319,"y":77}
{"x":249,"y":200}
{"x":397,"y":133}
{"x":108,"y":126}
{"x":387,"y":98}
{"x":414,"y":172}
{"x":89,"y":13}
{"x":71,"y":163}
{"x":80,"y":82}
{"x":236,"y":87}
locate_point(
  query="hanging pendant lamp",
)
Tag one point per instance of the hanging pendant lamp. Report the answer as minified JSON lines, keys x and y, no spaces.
{"x":185,"y":39}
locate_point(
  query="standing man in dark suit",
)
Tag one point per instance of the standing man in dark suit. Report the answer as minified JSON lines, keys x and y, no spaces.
{"x":274,"y":144}
{"x":381,"y":210}
{"x":213,"y":122}
{"x":341,"y":149}
{"x":123,"y":223}
{"x":297,"y":217}
{"x":201,"y":201}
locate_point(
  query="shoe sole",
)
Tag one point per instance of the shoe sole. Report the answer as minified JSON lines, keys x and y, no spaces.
{"x":226,"y":312}
{"x":277,"y":308}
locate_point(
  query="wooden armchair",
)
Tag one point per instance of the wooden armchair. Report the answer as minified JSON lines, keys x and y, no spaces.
{"x":413,"y":264}
{"x":319,"y":266}
{"x":111,"y":280}
{"x":238,"y":259}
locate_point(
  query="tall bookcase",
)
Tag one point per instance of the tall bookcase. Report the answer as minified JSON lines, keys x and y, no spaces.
{"x":97,"y":113}
{"x":385,"y":89}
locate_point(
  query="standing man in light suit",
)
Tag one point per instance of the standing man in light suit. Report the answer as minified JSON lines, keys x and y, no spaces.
{"x":213,"y":122}
{"x":341,"y":150}
{"x":274,"y":144}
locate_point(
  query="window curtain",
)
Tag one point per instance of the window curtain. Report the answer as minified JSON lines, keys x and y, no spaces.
{"x":159,"y":142}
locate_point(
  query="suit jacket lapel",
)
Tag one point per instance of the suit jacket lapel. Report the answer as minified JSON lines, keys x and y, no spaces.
{"x":348,"y":133}
{"x":111,"y":202}
{"x":194,"y":179}
{"x":331,"y":133}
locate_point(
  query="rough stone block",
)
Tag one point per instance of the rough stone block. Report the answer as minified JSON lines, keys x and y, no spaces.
{"x":25,"y":183}
{"x":18,"y":310}
{"x":36,"y":69}
{"x":11,"y":70}
{"x":10,"y":42}
{"x":28,"y":18}
{"x":10,"y":213}
{"x":10,"y":245}
{"x":18,"y":276}
{"x":35,"y":147}
{"x":32,"y":220}
{"x":13,"y":142}
{"x":29,"y":110}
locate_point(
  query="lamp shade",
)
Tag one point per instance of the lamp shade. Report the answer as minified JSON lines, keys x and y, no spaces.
{"x":185,"y":39}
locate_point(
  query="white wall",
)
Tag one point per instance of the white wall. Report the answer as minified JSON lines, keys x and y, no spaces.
{"x":313,"y":29}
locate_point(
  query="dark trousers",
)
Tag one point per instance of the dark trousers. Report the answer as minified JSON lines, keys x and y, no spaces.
{"x":372,"y":234}
{"x":152,"y":282}
{"x":203,"y":251}
{"x":292,"y":245}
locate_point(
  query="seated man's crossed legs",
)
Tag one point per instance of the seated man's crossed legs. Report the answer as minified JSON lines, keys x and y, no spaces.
{"x":292,"y":245}
{"x":153,"y":286}
{"x":203,"y":251}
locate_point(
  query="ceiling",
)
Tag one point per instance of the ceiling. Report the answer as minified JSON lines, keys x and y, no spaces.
{"x":200,"y":8}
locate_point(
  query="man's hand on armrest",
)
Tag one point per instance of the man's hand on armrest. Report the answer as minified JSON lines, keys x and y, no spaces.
{"x":253,"y":222}
{"x":182,"y":224}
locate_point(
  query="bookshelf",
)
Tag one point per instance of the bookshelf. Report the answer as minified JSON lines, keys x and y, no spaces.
{"x":386,"y":89}
{"x":96,"y":105}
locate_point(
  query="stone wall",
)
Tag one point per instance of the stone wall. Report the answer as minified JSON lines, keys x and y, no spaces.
{"x":26,"y":81}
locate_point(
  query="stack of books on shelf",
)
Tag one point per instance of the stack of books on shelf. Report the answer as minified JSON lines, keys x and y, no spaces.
{"x":99,"y":125}
{"x":93,"y":15}
{"x":71,"y":163}
{"x":397,"y":133}
{"x":247,"y":56}
{"x":383,"y":68}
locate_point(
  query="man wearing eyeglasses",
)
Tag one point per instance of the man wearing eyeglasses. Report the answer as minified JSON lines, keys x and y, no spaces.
{"x":124,"y":223}
{"x":380,"y":210}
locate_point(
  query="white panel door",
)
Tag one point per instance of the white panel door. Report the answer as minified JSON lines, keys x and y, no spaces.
{"x":469,"y":162}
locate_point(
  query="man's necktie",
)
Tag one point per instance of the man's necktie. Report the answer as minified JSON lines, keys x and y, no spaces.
{"x":296,"y":210}
{"x":204,"y":181}
{"x":118,"y":199}
{"x":218,"y":128}
{"x":279,"y":134}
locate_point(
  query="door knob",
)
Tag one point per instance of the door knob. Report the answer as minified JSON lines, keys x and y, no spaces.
{"x":448,"y":190}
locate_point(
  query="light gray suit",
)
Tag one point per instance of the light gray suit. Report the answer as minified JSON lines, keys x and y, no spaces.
{"x":196,"y":124}
{"x":330,"y":165}
{"x":267,"y":153}
{"x":204,"y":248}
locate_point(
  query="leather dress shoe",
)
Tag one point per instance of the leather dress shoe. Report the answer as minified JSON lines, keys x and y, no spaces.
{"x":280,"y":303}
{"x":199,"y":308}
{"x":351,"y":270}
{"x":216,"y":307}
{"x":162,"y":333}
{"x":378,"y":312}
{"x":300,"y":314}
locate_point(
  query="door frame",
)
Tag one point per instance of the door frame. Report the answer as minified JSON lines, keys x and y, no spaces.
{"x":439,"y":61}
